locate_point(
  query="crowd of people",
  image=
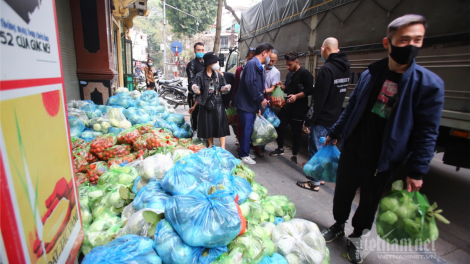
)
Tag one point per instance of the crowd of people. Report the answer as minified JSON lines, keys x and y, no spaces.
{"x":392,"y":115}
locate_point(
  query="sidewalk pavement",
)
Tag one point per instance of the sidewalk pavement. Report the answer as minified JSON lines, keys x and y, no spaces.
{"x":279,"y":175}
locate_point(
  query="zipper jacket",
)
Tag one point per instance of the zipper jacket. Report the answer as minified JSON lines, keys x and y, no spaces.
{"x":412,"y":128}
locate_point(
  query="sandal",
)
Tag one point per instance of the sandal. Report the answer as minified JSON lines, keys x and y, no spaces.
{"x":258,"y":151}
{"x":322,"y":183}
{"x":309,"y":186}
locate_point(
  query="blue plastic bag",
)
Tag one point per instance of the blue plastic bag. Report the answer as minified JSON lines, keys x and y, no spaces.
{"x":121,"y":99}
{"x":182,"y":133}
{"x":104,"y":108}
{"x":115,"y":131}
{"x":278,"y":220}
{"x":202,"y":219}
{"x":163,"y":115}
{"x":149,"y":95}
{"x":134,"y":187}
{"x":129,"y":111}
{"x":88,"y":135}
{"x":76,"y":126}
{"x":139,"y":118}
{"x":151,"y":196}
{"x":176,"y":118}
{"x":88,"y":107}
{"x":275,"y":259}
{"x":160,"y":109}
{"x":160,"y":123}
{"x":238,"y":186}
{"x":225,"y":159}
{"x":186,"y":127}
{"x":125,"y":249}
{"x":271,"y":117}
{"x":189,"y":172}
{"x":324,"y":164}
{"x":173,"y":250}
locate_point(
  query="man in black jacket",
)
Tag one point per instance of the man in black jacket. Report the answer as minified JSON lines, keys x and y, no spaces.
{"x":299,"y":85}
{"x":194,"y":66}
{"x":327,"y":100}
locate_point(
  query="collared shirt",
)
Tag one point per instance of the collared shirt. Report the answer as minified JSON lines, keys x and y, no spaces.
{"x":273,"y":76}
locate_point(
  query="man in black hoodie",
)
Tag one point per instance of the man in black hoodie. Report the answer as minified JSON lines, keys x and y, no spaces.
{"x":327,"y":100}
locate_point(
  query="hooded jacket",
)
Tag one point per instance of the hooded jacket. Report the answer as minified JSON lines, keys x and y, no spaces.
{"x":413,"y":126}
{"x":250,"y":90}
{"x":329,"y":92}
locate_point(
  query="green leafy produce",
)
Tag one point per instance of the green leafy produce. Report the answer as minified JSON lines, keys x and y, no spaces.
{"x":102,"y":231}
{"x":258,"y":192}
{"x":282,"y":205}
{"x":254,"y":213}
{"x":142,"y":223}
{"x":112,"y":196}
{"x":243,"y":171}
{"x":263,"y":132}
{"x":249,"y":248}
{"x":407,"y":218}
{"x":123,"y":175}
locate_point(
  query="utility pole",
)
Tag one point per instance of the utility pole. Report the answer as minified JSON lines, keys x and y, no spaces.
{"x":164,"y":39}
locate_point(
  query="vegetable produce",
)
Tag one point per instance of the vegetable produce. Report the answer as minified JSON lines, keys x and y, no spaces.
{"x":255,"y":213}
{"x":149,"y":95}
{"x":268,"y":228}
{"x":122,"y":160}
{"x":277,"y":98}
{"x":251,"y":247}
{"x":206,"y":217}
{"x":271,"y":117}
{"x":196,"y":148}
{"x":232,"y":116}
{"x":275,"y":259}
{"x":407,"y":218}
{"x":176,"y":118}
{"x":282,"y":205}
{"x":116,"y":174}
{"x":151,"y":196}
{"x":102,"y":231}
{"x":144,"y":128}
{"x":220,"y":157}
{"x":263,"y":132}
{"x":78,"y":143}
{"x":173,"y":250}
{"x":113,"y":197}
{"x":80,"y":178}
{"x":100,"y":124}
{"x":80,"y":114}
{"x":121,"y":99}
{"x":90,"y":135}
{"x":85,"y":211}
{"x":95,"y":170}
{"x":126,"y":249}
{"x":128,"y":136}
{"x":300,"y":242}
{"x":117,"y":119}
{"x":76,"y":126}
{"x":85,"y":153}
{"x":243,"y":171}
{"x":182,"y":133}
{"x":79,"y":164}
{"x":142,"y":223}
{"x":324,"y":164}
{"x":259,"y":192}
{"x":116,"y":152}
{"x":239,"y":187}
{"x":155,"y":166}
{"x":101,"y":143}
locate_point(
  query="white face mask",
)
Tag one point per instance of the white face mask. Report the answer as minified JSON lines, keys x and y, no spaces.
{"x":268,"y":60}
{"x":216,"y":67}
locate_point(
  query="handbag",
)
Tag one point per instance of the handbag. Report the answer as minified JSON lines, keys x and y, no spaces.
{"x":210,"y":103}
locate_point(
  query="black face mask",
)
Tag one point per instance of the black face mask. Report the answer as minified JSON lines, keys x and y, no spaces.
{"x":403,"y":55}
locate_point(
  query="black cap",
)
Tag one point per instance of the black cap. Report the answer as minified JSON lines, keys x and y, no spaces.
{"x":210,"y":58}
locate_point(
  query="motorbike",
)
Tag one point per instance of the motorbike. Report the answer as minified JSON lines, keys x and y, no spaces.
{"x":174,"y":94}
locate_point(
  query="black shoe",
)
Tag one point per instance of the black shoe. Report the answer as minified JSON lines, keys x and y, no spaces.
{"x":277,"y":152}
{"x":294,"y":159}
{"x":333,"y":232}
{"x":355,"y":253}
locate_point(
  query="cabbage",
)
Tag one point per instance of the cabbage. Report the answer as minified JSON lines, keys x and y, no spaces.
{"x":142,"y":223}
{"x":243,"y":171}
{"x":102,"y":231}
{"x":155,"y":166}
{"x":300,"y":241}
{"x":268,"y":228}
{"x":180,"y":153}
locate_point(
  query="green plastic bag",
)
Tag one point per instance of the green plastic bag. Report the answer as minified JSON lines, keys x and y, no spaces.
{"x":407,"y":218}
{"x":232,"y":116}
{"x":277,"y":98}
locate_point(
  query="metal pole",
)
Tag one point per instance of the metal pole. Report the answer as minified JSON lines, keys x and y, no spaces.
{"x":176,"y":62}
{"x":164,"y":39}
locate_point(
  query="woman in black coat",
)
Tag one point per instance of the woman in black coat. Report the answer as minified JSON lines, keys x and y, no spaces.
{"x":207,"y":85}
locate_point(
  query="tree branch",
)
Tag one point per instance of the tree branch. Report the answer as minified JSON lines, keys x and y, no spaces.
{"x":229,"y":8}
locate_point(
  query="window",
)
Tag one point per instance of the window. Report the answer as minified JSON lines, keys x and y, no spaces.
{"x":224,"y":42}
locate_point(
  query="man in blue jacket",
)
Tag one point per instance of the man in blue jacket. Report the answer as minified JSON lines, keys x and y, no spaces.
{"x":250,"y":98}
{"x":392,"y":117}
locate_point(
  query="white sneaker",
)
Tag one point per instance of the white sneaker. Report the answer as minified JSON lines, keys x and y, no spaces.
{"x":237,"y":143}
{"x":252,"y":156}
{"x":248,"y":160}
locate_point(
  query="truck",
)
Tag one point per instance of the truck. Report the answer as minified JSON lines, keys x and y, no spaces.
{"x":360,"y":26}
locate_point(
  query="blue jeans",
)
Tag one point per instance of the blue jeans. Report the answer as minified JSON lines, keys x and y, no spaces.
{"x":247,"y":120}
{"x":314,"y":145}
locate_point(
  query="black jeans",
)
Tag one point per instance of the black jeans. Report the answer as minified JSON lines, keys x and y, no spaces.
{"x":355,"y":171}
{"x":195,"y":113}
{"x":296,"y":125}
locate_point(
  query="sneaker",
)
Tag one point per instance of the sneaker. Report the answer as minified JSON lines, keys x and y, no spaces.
{"x":248,"y":160}
{"x":294,"y":159}
{"x":251,"y":156}
{"x":277,"y":152}
{"x":237,"y":143}
{"x":333,"y":232}
{"x":354,"y":249}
